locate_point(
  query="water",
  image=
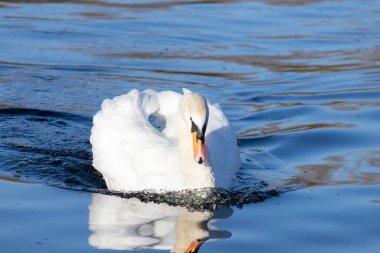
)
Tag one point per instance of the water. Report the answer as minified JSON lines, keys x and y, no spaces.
{"x":299,"y":81}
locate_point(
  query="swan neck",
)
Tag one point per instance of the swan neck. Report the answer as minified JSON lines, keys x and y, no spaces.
{"x":195,"y":175}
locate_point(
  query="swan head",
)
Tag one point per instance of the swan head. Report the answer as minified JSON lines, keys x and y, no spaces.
{"x":194,"y":112}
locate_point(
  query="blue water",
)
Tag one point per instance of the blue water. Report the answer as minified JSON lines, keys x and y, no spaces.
{"x":299,"y":81}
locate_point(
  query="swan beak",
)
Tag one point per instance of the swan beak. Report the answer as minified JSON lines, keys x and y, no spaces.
{"x":199,"y":148}
{"x":194,"y":246}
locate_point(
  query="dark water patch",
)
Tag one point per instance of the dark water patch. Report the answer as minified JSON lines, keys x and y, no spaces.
{"x":298,"y":61}
{"x":20,"y":112}
{"x":301,"y":107}
{"x":63,"y":67}
{"x":26,"y":147}
{"x":46,"y":146}
{"x":117,"y":70}
{"x":266,"y":60}
{"x":346,"y":94}
{"x":165,"y":4}
{"x":37,"y":119}
{"x":272,"y":129}
{"x":256,"y":140}
{"x":97,"y":15}
{"x":137,"y":5}
{"x":207,"y":199}
{"x":32,"y":18}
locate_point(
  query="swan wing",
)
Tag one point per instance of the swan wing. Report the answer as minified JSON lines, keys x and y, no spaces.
{"x":222,"y":147}
{"x":132,"y":154}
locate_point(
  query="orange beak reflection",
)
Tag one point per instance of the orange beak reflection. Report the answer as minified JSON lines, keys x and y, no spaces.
{"x":199,"y":149}
{"x":194,"y":246}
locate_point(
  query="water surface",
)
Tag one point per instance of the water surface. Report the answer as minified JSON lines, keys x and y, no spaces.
{"x":299,"y":81}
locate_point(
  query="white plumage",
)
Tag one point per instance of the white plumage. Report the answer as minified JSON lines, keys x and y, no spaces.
{"x":133,"y":155}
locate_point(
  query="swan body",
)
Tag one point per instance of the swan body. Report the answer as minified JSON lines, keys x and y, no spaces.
{"x":195,"y":148}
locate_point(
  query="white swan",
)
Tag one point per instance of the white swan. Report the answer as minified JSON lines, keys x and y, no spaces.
{"x":196,"y":148}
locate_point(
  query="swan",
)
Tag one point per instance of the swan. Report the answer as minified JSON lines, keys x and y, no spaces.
{"x":189,"y":145}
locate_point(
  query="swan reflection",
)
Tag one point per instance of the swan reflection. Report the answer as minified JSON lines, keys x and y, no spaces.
{"x":129,"y":224}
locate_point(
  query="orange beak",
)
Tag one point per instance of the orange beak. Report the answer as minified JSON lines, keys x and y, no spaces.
{"x":194,"y":246}
{"x":199,"y":149}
